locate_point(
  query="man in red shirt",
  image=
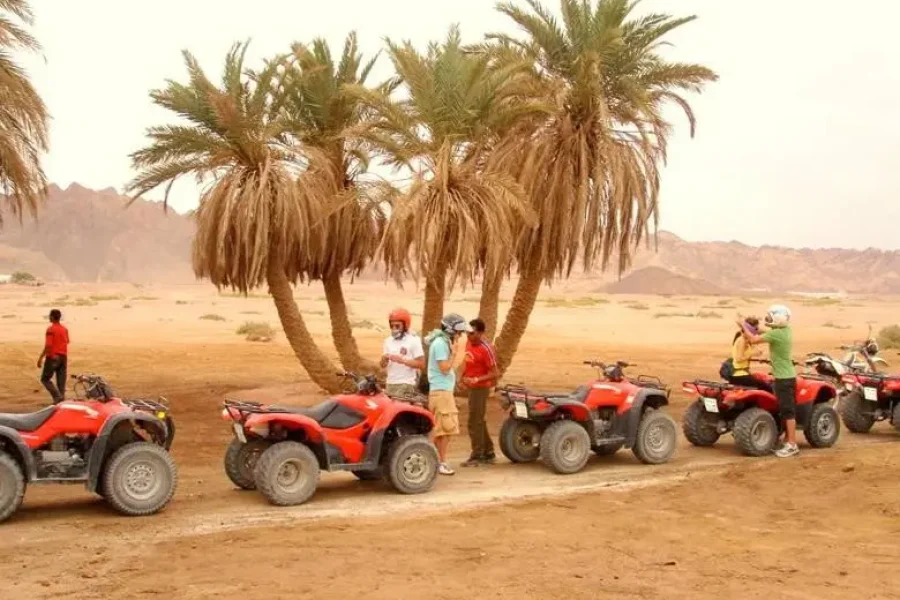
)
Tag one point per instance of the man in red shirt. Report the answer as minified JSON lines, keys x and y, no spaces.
{"x":56,"y":351}
{"x":480,"y":376}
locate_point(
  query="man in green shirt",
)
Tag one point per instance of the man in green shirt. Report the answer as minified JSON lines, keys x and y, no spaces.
{"x":780,"y":339}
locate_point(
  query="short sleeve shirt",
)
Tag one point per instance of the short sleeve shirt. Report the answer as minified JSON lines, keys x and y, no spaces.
{"x":781,"y":341}
{"x":410,"y":347}
{"x":439,"y":350}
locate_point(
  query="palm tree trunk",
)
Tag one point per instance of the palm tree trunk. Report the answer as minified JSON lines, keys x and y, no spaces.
{"x":321,"y":370}
{"x":517,"y":318}
{"x":341,"y":331}
{"x":433,"y":311}
{"x":490,"y":304}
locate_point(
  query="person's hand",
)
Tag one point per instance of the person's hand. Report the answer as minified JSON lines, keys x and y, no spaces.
{"x":395,"y":358}
{"x":40,"y":363}
{"x":470,"y":380}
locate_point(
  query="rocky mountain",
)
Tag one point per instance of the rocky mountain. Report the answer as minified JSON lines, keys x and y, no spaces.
{"x":84,"y":235}
{"x":88,"y":236}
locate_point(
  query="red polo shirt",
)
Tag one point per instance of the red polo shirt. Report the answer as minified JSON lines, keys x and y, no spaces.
{"x":57,"y":343}
{"x":480,"y":358}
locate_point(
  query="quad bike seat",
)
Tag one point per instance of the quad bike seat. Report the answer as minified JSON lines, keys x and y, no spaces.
{"x":317,"y":413}
{"x":28,"y":421}
{"x":330,"y":414}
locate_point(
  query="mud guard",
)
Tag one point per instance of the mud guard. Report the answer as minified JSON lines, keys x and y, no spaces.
{"x":12,"y":437}
{"x":643,"y":399}
{"x":416,"y":417}
{"x":99,"y":447}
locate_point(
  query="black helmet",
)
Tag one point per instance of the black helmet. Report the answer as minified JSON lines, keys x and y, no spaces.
{"x":453,"y":324}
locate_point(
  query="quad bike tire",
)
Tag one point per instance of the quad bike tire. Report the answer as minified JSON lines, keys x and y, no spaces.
{"x":565,"y":447}
{"x":287,"y":473}
{"x":412,"y":464}
{"x":517,"y":440}
{"x":755,"y":432}
{"x":657,"y":438}
{"x":139,"y":479}
{"x":895,"y":416}
{"x":240,"y":462}
{"x":608,"y":449}
{"x":854,"y":413}
{"x":12,"y":486}
{"x":824,"y":426}
{"x":698,"y":427}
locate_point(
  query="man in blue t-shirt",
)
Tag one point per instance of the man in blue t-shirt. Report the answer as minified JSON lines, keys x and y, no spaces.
{"x":442,"y":352}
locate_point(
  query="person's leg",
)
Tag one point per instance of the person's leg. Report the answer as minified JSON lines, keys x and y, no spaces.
{"x":446,"y":418}
{"x":488,"y":454}
{"x":47,"y":378}
{"x":785,"y":391}
{"x":62,"y":370}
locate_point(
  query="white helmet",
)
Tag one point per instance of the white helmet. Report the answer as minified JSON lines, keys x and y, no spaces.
{"x":778,"y":315}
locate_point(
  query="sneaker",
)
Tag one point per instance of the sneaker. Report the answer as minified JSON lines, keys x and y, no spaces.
{"x":444,"y":469}
{"x":473,"y":461}
{"x":787,"y":451}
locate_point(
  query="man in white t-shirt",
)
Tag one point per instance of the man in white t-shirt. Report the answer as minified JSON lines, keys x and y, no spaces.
{"x":402,"y":355}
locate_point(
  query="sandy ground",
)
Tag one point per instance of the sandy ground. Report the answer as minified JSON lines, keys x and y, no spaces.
{"x":710,"y":524}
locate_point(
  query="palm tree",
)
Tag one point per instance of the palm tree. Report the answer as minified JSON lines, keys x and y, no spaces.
{"x":591,"y":168}
{"x":322,"y":115}
{"x":23,"y":117}
{"x":459,"y":217}
{"x":255,"y":224}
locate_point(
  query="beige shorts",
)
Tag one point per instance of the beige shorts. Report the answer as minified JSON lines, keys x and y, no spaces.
{"x":446,"y":415}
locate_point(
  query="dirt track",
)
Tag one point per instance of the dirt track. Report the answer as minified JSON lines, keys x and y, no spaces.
{"x":710,"y":524}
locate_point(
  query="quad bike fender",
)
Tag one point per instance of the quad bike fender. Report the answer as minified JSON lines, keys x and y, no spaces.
{"x":402,"y":420}
{"x":12,"y":443}
{"x":809,"y":393}
{"x":643,"y":400}
{"x":121,"y":429}
{"x":308,"y":428}
{"x":571,"y":409}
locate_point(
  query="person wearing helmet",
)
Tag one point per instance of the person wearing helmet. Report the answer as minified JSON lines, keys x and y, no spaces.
{"x":741,"y":354}
{"x":402,"y":356}
{"x":780,"y":340}
{"x":443,"y":351}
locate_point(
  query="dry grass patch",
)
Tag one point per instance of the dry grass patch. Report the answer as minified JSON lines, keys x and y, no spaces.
{"x":256,"y":331}
{"x":211,"y":317}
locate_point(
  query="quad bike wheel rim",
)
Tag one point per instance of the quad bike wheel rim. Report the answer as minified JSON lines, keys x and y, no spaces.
{"x":415,"y":468}
{"x":291,"y":476}
{"x":656,"y":439}
{"x":142,"y":480}
{"x":761,"y":434}
{"x":825,"y":426}
{"x":570,"y":450}
{"x":525,"y":438}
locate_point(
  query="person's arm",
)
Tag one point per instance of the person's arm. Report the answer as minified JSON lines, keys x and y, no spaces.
{"x":750,"y":338}
{"x":444,"y":353}
{"x":418,"y":356}
{"x":48,"y":341}
{"x":385,"y":357}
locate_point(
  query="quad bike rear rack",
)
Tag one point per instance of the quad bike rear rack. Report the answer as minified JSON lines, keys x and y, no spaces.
{"x":145,"y":404}
{"x":245,"y":408}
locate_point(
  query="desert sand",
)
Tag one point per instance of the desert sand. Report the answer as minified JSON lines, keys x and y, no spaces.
{"x":710,"y":524}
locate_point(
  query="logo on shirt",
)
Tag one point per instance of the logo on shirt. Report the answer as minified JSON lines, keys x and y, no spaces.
{"x":403,"y":351}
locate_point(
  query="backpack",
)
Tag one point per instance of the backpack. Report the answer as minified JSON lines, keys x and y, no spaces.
{"x":726,"y":371}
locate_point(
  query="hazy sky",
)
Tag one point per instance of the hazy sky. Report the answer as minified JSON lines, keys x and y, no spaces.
{"x":797,"y":144}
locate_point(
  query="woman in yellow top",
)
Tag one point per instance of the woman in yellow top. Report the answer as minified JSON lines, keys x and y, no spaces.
{"x":741,"y":353}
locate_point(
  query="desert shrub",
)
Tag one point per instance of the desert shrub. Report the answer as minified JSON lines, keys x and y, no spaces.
{"x":256,"y":331}
{"x":22,"y":277}
{"x":84,"y":302}
{"x":250,"y":312}
{"x":126,"y":306}
{"x":637,"y":306}
{"x":708,"y":314}
{"x":105,"y":297}
{"x":832,"y":325}
{"x":669,"y":315}
{"x":211,"y":317}
{"x":827,"y":301}
{"x":364,"y":324}
{"x":8,"y":317}
{"x":181,"y":302}
{"x":889,"y":338}
{"x":146,"y":298}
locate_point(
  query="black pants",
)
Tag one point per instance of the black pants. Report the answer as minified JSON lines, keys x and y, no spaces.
{"x":56,"y":366}
{"x":786,"y":393}
{"x":750,"y":382}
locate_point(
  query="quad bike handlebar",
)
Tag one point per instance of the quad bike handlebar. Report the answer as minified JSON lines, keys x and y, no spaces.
{"x":601,"y":365}
{"x":366,"y":385}
{"x":94,"y":387}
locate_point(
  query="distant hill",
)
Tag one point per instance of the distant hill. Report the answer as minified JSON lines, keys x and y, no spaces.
{"x":84,"y":235}
{"x":656,"y":280}
{"x":87,"y":236}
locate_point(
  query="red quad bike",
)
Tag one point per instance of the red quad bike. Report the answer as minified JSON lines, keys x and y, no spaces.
{"x":752,"y":415}
{"x":281,"y":450}
{"x":870,"y":397}
{"x":116,"y":448}
{"x":604,"y":416}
